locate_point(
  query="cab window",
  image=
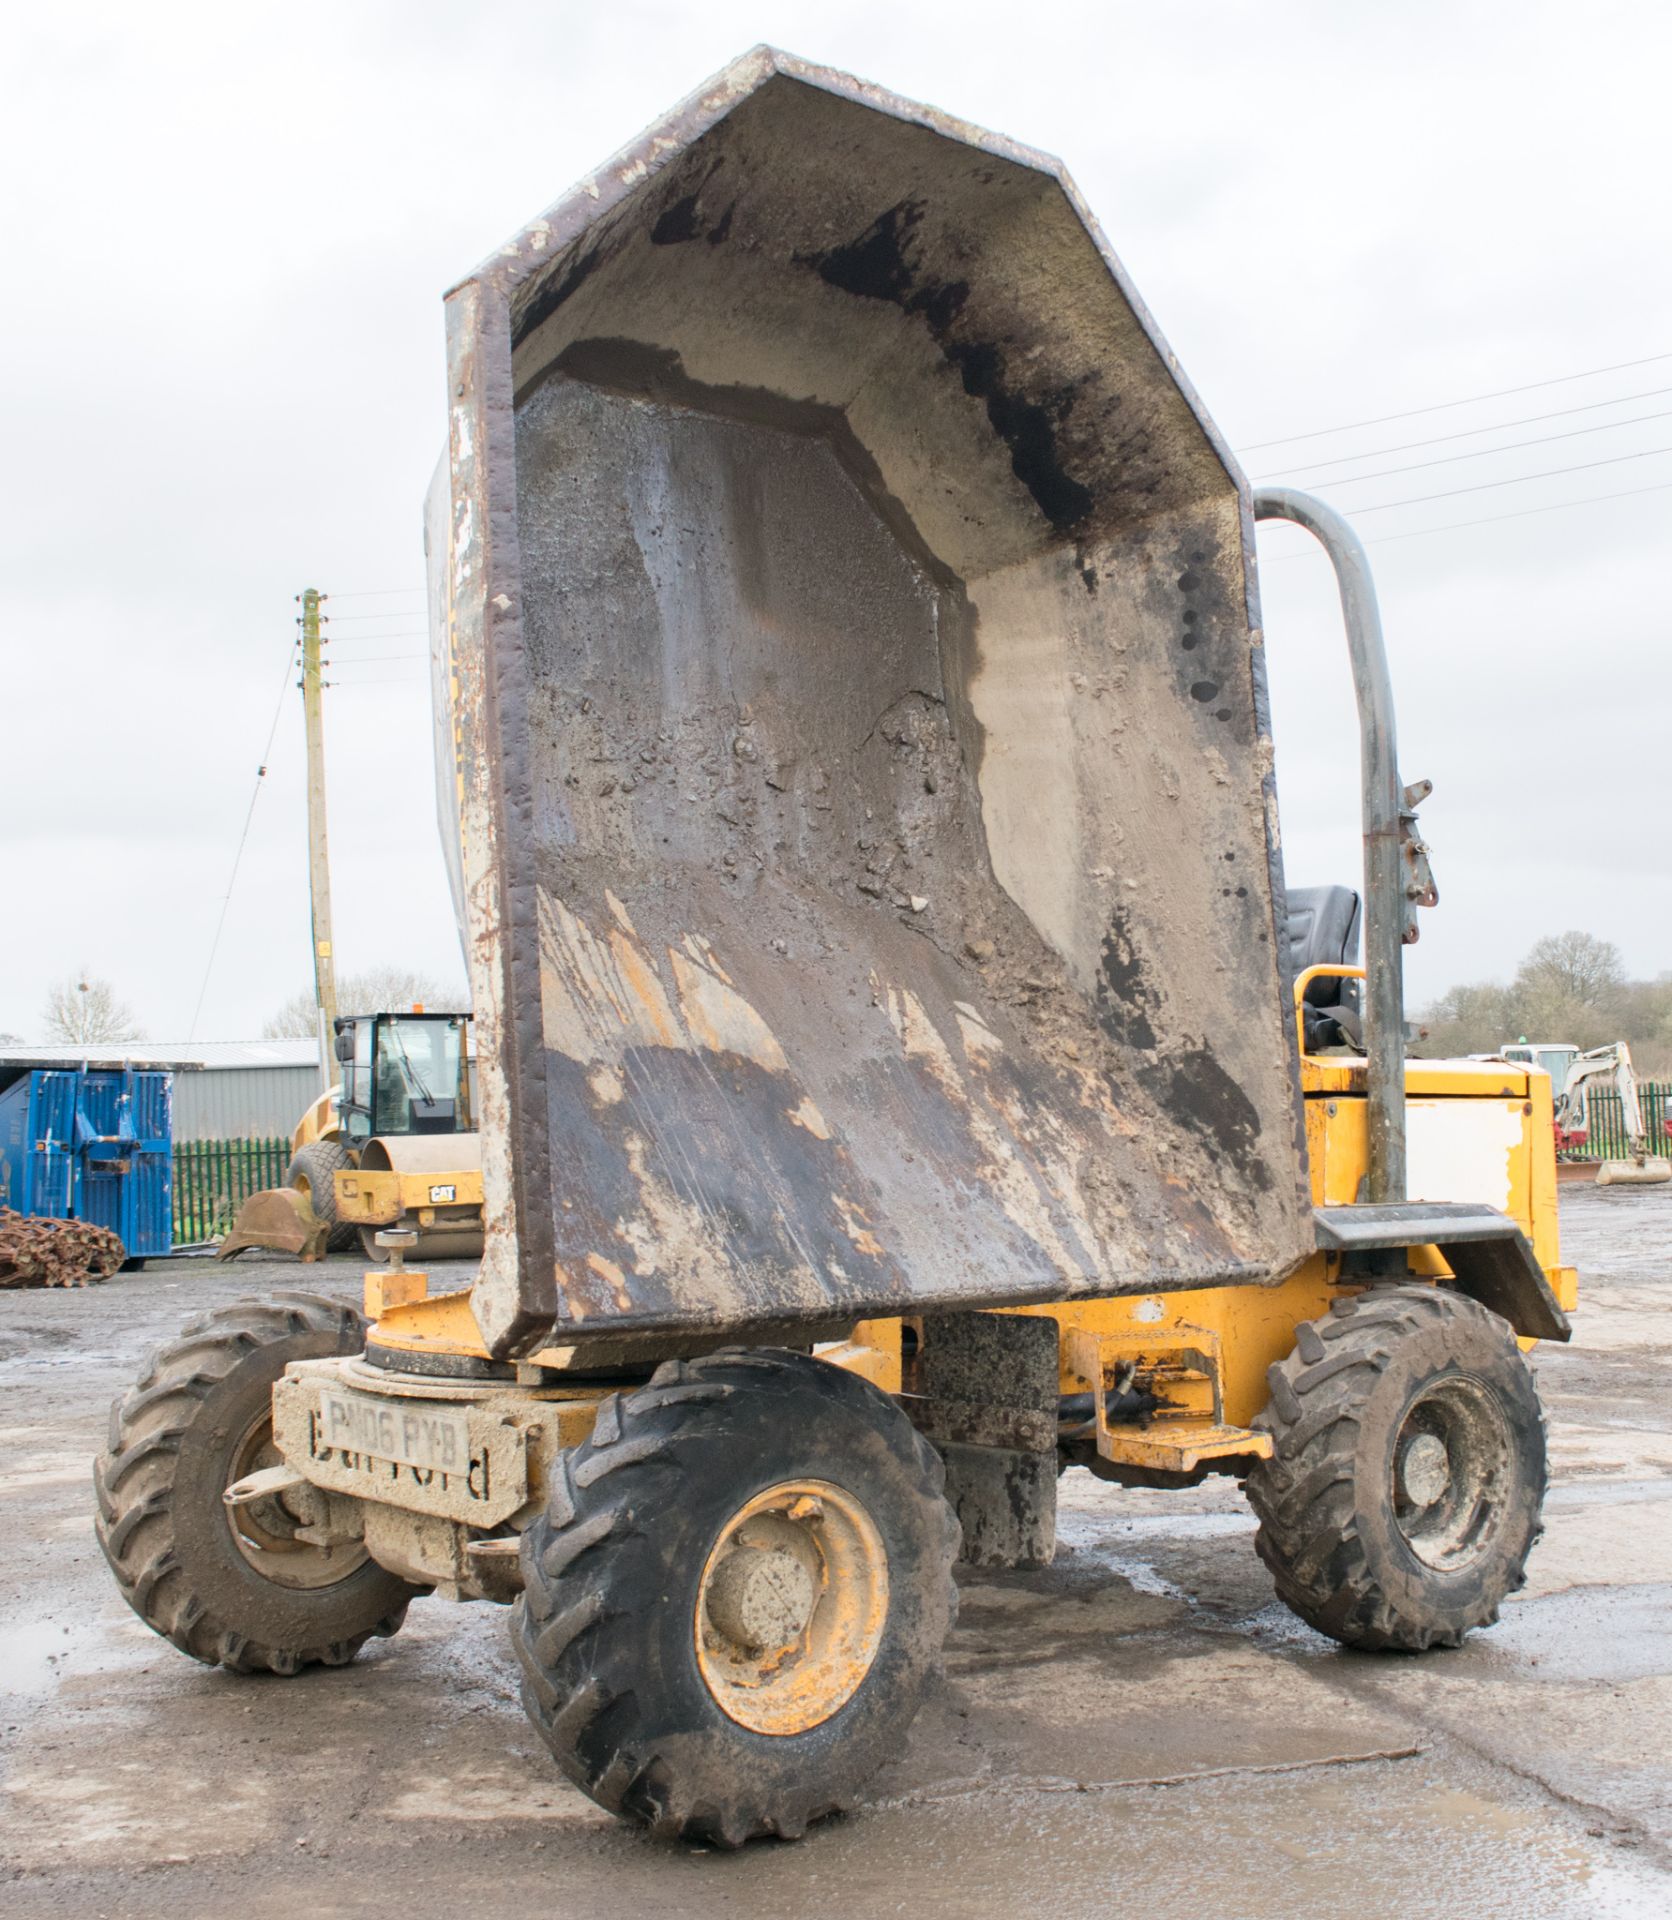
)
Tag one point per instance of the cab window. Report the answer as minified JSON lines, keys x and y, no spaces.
{"x":417,"y":1075}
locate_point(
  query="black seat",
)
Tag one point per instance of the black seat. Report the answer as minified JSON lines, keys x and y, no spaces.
{"x":1323,"y":929}
{"x":1324,"y":932}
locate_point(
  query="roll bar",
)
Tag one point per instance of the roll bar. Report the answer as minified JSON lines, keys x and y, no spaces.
{"x":1397,"y":879}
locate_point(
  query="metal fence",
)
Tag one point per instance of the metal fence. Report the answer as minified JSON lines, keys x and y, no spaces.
{"x":1606,"y":1122}
{"x":212,"y":1178}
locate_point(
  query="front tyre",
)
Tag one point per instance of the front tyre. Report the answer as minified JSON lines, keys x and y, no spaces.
{"x":313,"y":1173}
{"x":1408,"y":1473}
{"x":737,"y":1597}
{"x":239,"y":1590}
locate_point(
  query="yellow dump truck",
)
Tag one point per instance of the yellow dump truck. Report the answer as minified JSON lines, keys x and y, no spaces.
{"x":904,"y":1068}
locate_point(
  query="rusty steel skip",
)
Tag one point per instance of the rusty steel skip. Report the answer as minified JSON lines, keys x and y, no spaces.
{"x":849,"y":616}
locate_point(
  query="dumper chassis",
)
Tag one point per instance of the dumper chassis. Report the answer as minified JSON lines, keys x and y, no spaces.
{"x":904,"y":1072}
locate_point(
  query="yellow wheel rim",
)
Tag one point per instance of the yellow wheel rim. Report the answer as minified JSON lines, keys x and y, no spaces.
{"x":791,"y":1606}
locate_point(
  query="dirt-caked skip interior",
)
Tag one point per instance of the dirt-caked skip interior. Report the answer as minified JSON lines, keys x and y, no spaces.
{"x":889,"y":720}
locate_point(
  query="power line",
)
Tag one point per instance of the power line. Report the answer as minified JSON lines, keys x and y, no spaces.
{"x":237,"y":858}
{"x":343,"y":619}
{"x":1523,"y":513}
{"x":1440,"y":406}
{"x":1488,"y":520}
{"x":1467,"y":433}
{"x":1509,"y":446}
{"x":366,"y":659}
{"x":1520,"y":479}
{"x":373,"y":593}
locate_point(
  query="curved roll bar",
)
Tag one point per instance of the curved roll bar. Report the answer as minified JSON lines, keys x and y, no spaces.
{"x":1396,"y":875}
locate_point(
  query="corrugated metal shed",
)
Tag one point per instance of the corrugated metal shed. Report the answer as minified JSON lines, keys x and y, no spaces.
{"x":181,"y":1055}
{"x":223,"y":1089}
{"x":242,"y":1103}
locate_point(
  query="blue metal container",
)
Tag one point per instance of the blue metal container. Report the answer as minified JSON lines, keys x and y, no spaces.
{"x":92,"y":1143}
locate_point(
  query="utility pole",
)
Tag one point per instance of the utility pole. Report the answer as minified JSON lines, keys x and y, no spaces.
{"x":319,"y":863}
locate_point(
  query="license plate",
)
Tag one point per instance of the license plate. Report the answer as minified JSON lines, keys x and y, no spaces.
{"x":440,"y":1196}
{"x":405,"y":1433}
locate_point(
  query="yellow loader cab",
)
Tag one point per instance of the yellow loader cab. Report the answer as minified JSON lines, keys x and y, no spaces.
{"x":904,"y":1070}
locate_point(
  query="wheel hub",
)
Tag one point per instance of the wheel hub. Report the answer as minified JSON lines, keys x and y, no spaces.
{"x":267,"y":1532}
{"x":1452,"y":1468}
{"x":791,"y":1606}
{"x":1424,"y":1469}
{"x":761,"y":1598}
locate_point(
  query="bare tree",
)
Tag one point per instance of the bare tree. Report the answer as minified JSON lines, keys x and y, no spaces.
{"x":385,"y":989}
{"x":1575,"y":967}
{"x":1471,"y":1018}
{"x":85,"y":1011}
{"x":1571,"y":988}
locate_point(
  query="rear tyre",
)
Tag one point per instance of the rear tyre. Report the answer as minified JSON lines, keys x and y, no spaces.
{"x":1404,"y":1492}
{"x":313,"y":1171}
{"x":233,"y":1590}
{"x":737,"y":1597}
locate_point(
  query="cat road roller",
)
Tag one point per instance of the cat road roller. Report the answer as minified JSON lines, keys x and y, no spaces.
{"x":903,"y":1071}
{"x":393,"y":1145}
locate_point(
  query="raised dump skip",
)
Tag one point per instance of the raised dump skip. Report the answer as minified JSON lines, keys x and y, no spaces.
{"x":864,"y":777}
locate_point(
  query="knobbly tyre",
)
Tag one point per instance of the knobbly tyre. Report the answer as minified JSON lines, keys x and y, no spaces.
{"x":902,"y":1068}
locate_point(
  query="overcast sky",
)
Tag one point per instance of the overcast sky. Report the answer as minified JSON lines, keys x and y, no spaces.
{"x":228,"y":230}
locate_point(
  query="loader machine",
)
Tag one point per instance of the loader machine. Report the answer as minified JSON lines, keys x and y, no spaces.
{"x":903,"y":1071}
{"x":393,"y":1145}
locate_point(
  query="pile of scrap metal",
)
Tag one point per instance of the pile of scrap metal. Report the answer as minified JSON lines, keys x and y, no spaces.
{"x":39,"y":1252}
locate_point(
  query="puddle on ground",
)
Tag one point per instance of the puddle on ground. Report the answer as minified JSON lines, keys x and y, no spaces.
{"x":1378,"y":1842}
{"x":27,"y":1361}
{"x":1607,"y":1493}
{"x":1117,"y":1545}
{"x":38,"y":1656}
{"x":32,"y":1657}
{"x":1096,"y":1529}
{"x":1592,"y":1634}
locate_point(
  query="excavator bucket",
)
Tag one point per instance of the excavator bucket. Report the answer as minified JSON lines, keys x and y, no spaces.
{"x":279,"y":1219}
{"x":1650,"y":1171}
{"x":858,"y":739}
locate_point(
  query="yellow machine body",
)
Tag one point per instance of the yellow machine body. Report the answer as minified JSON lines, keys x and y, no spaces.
{"x":321,"y":1121}
{"x":424,"y":1180}
{"x":856,"y":773}
{"x":1018,"y":1057}
{"x":1479,"y":1131}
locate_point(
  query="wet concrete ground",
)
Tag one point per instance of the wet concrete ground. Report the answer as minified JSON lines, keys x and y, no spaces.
{"x":1140,"y":1729}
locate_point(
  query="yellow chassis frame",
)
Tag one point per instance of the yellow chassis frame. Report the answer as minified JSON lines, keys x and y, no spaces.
{"x":1205,"y":1350}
